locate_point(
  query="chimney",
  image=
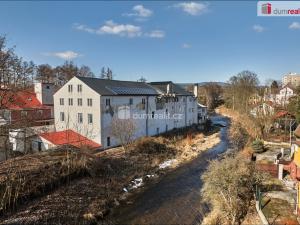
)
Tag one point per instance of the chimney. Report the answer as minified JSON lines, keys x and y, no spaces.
{"x":44,"y":92}
{"x":196,"y":90}
{"x":168,"y":88}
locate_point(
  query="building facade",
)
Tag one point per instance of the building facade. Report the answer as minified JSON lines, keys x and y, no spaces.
{"x":285,"y":93}
{"x":292,"y":79}
{"x":89,"y":105}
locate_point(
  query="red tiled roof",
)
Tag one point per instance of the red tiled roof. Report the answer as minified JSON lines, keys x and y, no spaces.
{"x":25,"y":99}
{"x":69,"y":137}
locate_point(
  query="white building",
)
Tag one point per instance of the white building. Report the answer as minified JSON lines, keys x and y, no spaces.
{"x":292,"y":79}
{"x":202,"y":113}
{"x":263,"y":109}
{"x":282,"y":98}
{"x":88,"y":105}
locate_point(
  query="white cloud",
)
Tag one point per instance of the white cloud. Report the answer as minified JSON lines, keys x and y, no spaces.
{"x":294,"y":25}
{"x":66,"y":55}
{"x":123,"y":30}
{"x":83,"y":27}
{"x":258,"y":28}
{"x":193,"y":8}
{"x":185,"y":45}
{"x":155,"y":34}
{"x":140,"y":11}
{"x":127,"y":30}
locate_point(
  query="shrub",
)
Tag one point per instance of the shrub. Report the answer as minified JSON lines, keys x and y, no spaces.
{"x":258,"y":146}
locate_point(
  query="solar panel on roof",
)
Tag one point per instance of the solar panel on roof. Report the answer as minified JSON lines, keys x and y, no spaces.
{"x":132,"y":91}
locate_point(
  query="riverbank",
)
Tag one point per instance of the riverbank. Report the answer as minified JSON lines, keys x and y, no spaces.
{"x":105,"y":181}
{"x":241,"y":133}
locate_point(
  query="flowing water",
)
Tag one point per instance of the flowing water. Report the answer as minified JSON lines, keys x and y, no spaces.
{"x":175,"y":198}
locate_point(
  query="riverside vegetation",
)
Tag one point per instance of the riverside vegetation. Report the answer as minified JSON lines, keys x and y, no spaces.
{"x":68,"y":185}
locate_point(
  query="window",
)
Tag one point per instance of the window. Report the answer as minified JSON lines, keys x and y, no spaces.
{"x":90,"y":118}
{"x":62,"y":116}
{"x":131,"y":101}
{"x":23,"y":113}
{"x":40,"y":113}
{"x":80,"y":119}
{"x":107,"y":102}
{"x":143,"y":103}
{"x":157,"y":130}
{"x":70,"y":101}
{"x":167,"y":111}
{"x":47,"y":87}
{"x":70,"y":88}
{"x":79,"y":88}
{"x":108,"y":141}
{"x":79,"y":101}
{"x":152,"y":116}
{"x":89,"y":102}
{"x":61,"y":101}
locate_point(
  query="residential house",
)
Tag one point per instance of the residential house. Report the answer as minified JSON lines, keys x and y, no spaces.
{"x":282,"y":98}
{"x":89,"y":105}
{"x":33,"y":107}
{"x":48,"y":140}
{"x":263,"y":109}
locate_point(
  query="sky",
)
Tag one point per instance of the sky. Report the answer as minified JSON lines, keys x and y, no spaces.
{"x":159,"y":40}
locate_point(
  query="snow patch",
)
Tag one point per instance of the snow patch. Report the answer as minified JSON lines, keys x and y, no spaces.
{"x":167,"y":163}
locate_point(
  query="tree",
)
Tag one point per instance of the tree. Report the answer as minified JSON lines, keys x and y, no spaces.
{"x":229,"y":187}
{"x":142,"y":79}
{"x":241,"y":87}
{"x":85,"y":71}
{"x":65,"y":72}
{"x":123,"y":130}
{"x":108,"y":74}
{"x":213,"y":93}
{"x":45,"y":73}
{"x":274,"y":87}
{"x":15,"y":75}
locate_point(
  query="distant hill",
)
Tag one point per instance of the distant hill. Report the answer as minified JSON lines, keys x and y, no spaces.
{"x":184,"y":85}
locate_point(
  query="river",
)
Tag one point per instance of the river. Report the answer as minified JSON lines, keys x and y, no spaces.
{"x":175,"y":198}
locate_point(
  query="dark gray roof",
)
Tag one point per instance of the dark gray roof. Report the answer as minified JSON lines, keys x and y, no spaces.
{"x":117,"y":87}
{"x":174,"y":88}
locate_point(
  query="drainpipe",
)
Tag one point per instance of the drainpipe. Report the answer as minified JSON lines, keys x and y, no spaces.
{"x":186,"y":100}
{"x":147,"y":113}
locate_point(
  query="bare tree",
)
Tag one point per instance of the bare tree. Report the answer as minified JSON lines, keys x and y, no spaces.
{"x":45,"y":73}
{"x":142,"y":79}
{"x":241,"y":87}
{"x":229,"y":188}
{"x":65,"y":72}
{"x":213,"y":94}
{"x":15,"y":75}
{"x":106,"y":74}
{"x":123,"y":130}
{"x":85,"y":71}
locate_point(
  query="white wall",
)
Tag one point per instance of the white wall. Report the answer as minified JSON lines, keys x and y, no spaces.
{"x":91,"y":131}
{"x":185,"y":110}
{"x":44,"y":92}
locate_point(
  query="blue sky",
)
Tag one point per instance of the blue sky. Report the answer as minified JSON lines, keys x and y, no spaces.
{"x":179,"y":41}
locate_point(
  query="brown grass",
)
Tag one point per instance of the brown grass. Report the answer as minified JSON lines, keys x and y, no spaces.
{"x":76,"y":186}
